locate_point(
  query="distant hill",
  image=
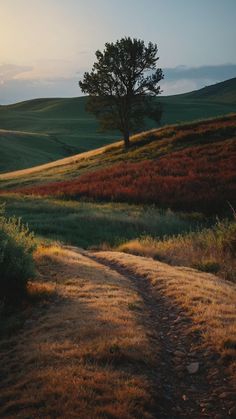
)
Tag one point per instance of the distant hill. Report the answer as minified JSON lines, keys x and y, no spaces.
{"x":69,"y":129}
{"x":223,"y":92}
{"x":215,"y":100}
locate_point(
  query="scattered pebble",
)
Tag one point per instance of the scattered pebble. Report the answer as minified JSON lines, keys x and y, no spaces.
{"x":193,"y":367}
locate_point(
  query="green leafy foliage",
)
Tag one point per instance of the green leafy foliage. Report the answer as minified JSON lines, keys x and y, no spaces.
{"x":121,"y":85}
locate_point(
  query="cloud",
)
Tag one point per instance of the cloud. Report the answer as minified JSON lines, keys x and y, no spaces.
{"x":12,"y":71}
{"x":17,"y":90}
{"x":225,"y":71}
{"x":174,"y":87}
{"x":184,"y":79}
{"x":19,"y":83}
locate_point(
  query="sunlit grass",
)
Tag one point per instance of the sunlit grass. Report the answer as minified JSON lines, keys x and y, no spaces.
{"x":87,"y":224}
{"x":210,"y":250}
{"x":208,"y":300}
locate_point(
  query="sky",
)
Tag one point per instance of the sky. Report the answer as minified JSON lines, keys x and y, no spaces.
{"x":47,"y":45}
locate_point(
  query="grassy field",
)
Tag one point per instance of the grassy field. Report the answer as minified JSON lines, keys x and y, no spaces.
{"x":175,"y":167}
{"x":70,"y":129}
{"x":87,"y":224}
{"x":176,"y":238}
{"x":181,"y":163}
{"x":18,"y":148}
{"x":211,"y":249}
{"x":65,"y":122}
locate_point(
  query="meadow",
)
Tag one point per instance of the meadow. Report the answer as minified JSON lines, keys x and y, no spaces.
{"x":188,"y":239}
{"x":159,"y":188}
{"x":189,"y":167}
{"x":87,"y":224}
{"x":18,"y":148}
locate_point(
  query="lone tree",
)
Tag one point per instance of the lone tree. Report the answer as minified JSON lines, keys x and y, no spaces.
{"x":122,"y":86}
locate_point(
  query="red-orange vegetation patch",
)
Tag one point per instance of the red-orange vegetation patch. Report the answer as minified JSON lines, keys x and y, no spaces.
{"x":201,"y":177}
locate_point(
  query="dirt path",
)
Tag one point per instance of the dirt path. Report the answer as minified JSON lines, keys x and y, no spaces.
{"x":107,"y":346}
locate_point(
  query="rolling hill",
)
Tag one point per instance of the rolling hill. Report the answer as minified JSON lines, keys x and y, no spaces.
{"x":69,"y":129}
{"x":63,"y":121}
{"x":182,"y":167}
{"x":18,"y":148}
{"x":223,"y":92}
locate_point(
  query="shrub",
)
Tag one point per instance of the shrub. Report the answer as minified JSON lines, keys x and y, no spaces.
{"x":16,"y":261}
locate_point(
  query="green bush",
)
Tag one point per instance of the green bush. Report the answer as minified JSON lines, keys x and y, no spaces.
{"x":16,"y":260}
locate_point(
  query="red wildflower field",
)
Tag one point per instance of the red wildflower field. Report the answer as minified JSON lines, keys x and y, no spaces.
{"x":197,"y":178}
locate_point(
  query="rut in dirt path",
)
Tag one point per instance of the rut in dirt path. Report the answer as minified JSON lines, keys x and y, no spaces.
{"x":107,"y":345}
{"x":184,"y":394}
{"x":84,"y":354}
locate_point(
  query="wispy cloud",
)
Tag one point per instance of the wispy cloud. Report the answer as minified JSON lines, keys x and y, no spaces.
{"x":226,"y":71}
{"x":12,"y":71}
{"x":58,"y":78}
{"x":18,"y":90}
{"x":184,"y":79}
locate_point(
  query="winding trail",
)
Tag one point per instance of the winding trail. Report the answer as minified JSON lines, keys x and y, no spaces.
{"x":108,"y":345}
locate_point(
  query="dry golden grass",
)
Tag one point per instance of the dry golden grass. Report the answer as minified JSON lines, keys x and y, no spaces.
{"x":37,"y":291}
{"x":211,"y":250}
{"x":84,"y":355}
{"x":209,"y":300}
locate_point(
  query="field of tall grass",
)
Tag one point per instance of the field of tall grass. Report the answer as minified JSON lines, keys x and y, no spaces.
{"x":210,"y":250}
{"x":188,"y":239}
{"x":87,"y":224}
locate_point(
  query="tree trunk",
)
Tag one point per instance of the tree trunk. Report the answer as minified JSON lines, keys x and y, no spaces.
{"x":126,"y":139}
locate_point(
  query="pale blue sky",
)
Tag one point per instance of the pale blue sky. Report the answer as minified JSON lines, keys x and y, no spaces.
{"x":46,"y":45}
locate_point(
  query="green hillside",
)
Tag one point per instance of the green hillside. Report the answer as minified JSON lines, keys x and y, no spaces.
{"x":223,"y":92}
{"x":69,"y":129}
{"x":20,"y":148}
{"x":151,"y":144}
{"x":65,"y":119}
{"x":215,"y":100}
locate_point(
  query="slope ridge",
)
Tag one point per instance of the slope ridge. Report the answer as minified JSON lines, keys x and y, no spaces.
{"x":223,"y":92}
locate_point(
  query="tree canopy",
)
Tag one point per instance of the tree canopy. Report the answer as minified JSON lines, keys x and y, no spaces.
{"x":122,"y":86}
